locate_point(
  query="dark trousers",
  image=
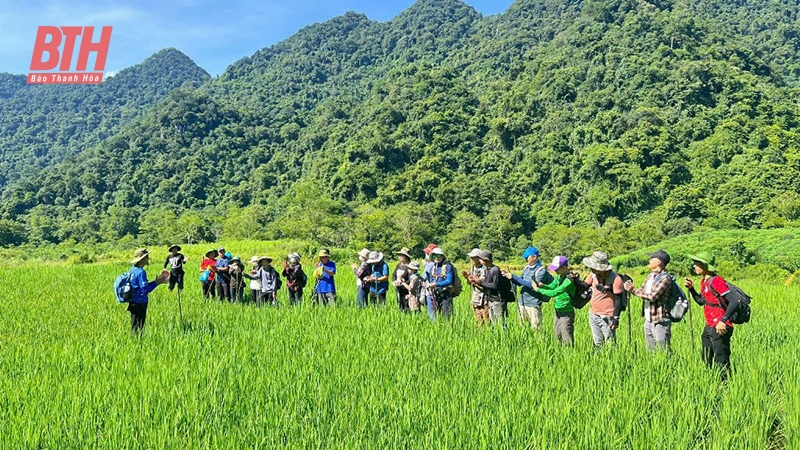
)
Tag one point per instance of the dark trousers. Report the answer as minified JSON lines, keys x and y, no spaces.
{"x":255,"y":296}
{"x":176,"y":278}
{"x":237,"y":292}
{"x":224,"y":290}
{"x":138,"y":315}
{"x":295,"y":297}
{"x":209,"y":289}
{"x":402,"y":300}
{"x":270,"y":298}
{"x":444,"y":303}
{"x":377,"y":299}
{"x":717,"y":349}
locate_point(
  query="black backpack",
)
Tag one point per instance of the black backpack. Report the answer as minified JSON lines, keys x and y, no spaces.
{"x":742,"y":313}
{"x":583,"y":291}
{"x":506,"y":290}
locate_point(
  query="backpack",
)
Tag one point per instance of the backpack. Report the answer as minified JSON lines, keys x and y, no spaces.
{"x":742,"y":313}
{"x":455,"y":288}
{"x":506,"y":290}
{"x":677,"y":303}
{"x":583,"y":291}
{"x":610,"y":285}
{"x":123,"y":288}
{"x":204,"y":276}
{"x":302,"y":279}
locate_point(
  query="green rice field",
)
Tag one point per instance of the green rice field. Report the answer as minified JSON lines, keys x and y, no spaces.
{"x":237,"y":376}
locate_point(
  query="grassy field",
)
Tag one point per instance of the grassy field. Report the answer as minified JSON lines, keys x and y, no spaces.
{"x":235,"y":376}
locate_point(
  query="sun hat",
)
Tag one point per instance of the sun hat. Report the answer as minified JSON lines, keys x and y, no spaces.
{"x":324,"y":252}
{"x":530,"y":251}
{"x":263,"y":258}
{"x":475,"y":253}
{"x":413,"y":265}
{"x":485,"y":255}
{"x":139,"y":255}
{"x":364,"y":253}
{"x":254,"y":260}
{"x":558,"y":262}
{"x":375,"y":257}
{"x":707,"y":259}
{"x":660,"y":255}
{"x":429,"y":248}
{"x":174,"y":246}
{"x":404,"y":251}
{"x":236,"y":258}
{"x":437,"y":251}
{"x":598,"y":261}
{"x":214,"y":251}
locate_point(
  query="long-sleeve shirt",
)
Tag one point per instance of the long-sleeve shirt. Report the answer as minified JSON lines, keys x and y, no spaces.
{"x":269,"y":279}
{"x":362,"y":273}
{"x":292,"y":273}
{"x":655,"y":293}
{"x":442,"y":274}
{"x":141,"y":287}
{"x":490,"y":284}
{"x":712,"y":291}
{"x":560,"y":291}
{"x":531,"y":274}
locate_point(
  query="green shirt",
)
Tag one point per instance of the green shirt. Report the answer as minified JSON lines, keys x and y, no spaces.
{"x":560,"y":291}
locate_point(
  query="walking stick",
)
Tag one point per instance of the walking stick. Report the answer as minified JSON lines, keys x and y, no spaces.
{"x":180,"y":308}
{"x":691,"y":322}
{"x":628,"y":303}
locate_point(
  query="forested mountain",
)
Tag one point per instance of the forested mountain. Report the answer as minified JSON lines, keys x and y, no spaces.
{"x":643,"y":119}
{"x":41,"y":124}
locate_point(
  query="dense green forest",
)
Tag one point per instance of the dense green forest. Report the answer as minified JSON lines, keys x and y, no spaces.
{"x":627,"y":120}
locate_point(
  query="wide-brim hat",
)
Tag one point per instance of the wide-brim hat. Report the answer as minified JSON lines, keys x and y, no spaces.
{"x":254,"y":260}
{"x":236,"y":258}
{"x":429,"y":248}
{"x":598,"y":261}
{"x":323,"y":252}
{"x":375,"y":257}
{"x":414,"y":265}
{"x":174,"y":246}
{"x":706,"y":258}
{"x":214,"y":251}
{"x":475,"y":253}
{"x":264,"y":258}
{"x":139,"y":255}
{"x":404,"y":251}
{"x":486,"y":255}
{"x":364,"y":253}
{"x":437,"y":251}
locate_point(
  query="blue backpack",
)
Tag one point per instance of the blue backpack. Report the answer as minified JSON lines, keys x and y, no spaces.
{"x":123,"y":288}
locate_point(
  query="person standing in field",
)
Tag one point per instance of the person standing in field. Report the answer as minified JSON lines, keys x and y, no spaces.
{"x":362,"y":272}
{"x":428,"y":293}
{"x":441,"y":281}
{"x":175,"y":260}
{"x":296,"y":278}
{"x":223,"y":277}
{"x":237,"y":279}
{"x":270,"y":281}
{"x":561,"y":290}
{"x":142,"y":288}
{"x":713,"y":297}
{"x":255,"y":281}
{"x":530,"y":301}
{"x":654,"y":294}
{"x":498,"y":310}
{"x":208,"y":269}
{"x":476,"y":274}
{"x":379,"y":279}
{"x":400,"y":278}
{"x":325,"y":272}
{"x":414,"y":287}
{"x":606,"y":302}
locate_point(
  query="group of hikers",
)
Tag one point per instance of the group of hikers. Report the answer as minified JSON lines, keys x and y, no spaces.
{"x":434,"y":284}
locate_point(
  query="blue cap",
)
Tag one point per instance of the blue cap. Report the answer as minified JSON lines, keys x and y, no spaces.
{"x":228,"y":255}
{"x":530,"y":251}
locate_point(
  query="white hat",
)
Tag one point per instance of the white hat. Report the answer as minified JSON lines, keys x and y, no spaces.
{"x":475,"y":253}
{"x":375,"y":257}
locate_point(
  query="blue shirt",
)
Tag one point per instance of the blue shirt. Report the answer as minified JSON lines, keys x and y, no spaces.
{"x":527,"y":296}
{"x":379,"y":270}
{"x":223,"y":277}
{"x":442,"y":274}
{"x":325,"y":284}
{"x":141,"y":287}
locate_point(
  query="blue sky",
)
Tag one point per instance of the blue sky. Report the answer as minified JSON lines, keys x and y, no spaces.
{"x":213,"y":33}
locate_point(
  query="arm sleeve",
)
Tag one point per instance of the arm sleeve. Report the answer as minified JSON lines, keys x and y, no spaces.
{"x":448,"y":277}
{"x":559,"y":289}
{"x":521,"y":281}
{"x":661,"y":284}
{"x":490,"y":281}
{"x":697,"y":297}
{"x":145,"y":287}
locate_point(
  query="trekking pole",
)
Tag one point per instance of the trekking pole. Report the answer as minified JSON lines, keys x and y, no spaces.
{"x":691,"y":322}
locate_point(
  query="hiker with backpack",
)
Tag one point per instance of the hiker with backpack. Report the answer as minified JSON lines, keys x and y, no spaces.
{"x":141,"y":288}
{"x":362,"y":272}
{"x":720,"y":305}
{"x":255,"y":282}
{"x":237,"y":275}
{"x":490,"y":285}
{"x":655,"y":293}
{"x":208,"y":269}
{"x":400,"y":278}
{"x":429,"y":295}
{"x":378,"y":279}
{"x":414,"y":287}
{"x":270,"y":281}
{"x":324,"y":274}
{"x":175,"y":260}
{"x":443,"y":283}
{"x":530,"y":301}
{"x":223,"y":277}
{"x":560,"y":290}
{"x":296,"y":278}
{"x":606,"y":300}
{"x":476,"y":274}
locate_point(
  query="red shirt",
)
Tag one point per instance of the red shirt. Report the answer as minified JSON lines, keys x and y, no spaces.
{"x":712,"y":307}
{"x":206,"y":264}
